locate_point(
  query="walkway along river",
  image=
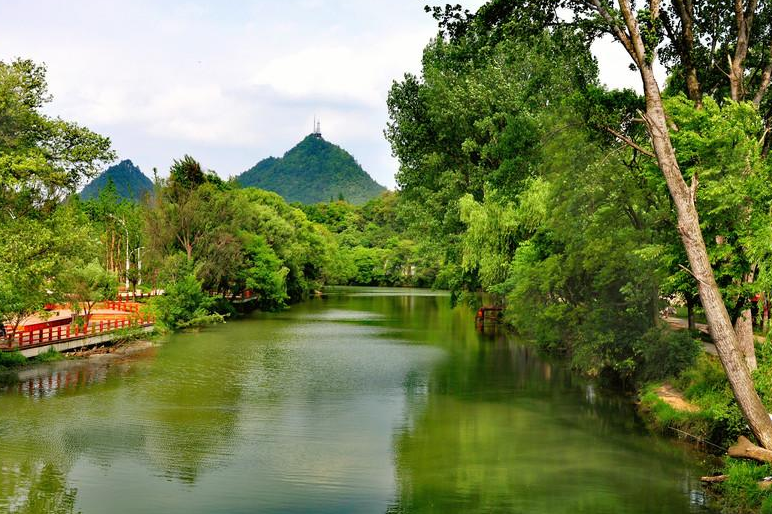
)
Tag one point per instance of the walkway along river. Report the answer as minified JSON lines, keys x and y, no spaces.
{"x":368,"y":400}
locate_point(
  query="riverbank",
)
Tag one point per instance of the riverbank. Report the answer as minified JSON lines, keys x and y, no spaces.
{"x":122,"y":342}
{"x":699,"y":406}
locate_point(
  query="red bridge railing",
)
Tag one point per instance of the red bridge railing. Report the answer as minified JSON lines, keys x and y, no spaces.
{"x":61,"y":334}
{"x":123,"y":305}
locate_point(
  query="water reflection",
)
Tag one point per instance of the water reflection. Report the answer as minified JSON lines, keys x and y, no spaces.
{"x":503,"y":431}
{"x":32,"y":488}
{"x":383,"y":400}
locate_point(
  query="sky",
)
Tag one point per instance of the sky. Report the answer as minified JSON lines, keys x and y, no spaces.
{"x":232,"y":82}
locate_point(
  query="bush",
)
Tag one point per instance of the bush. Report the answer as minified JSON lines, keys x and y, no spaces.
{"x":12,"y":359}
{"x":185,"y":305}
{"x":741,"y":492}
{"x":666,"y":353}
{"x":51,"y":355}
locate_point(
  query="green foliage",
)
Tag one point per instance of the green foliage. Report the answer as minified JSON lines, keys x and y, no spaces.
{"x":373,"y":244}
{"x":42,"y":159}
{"x":475,"y":119}
{"x":33,"y":253}
{"x":50,"y":355}
{"x":721,"y":146}
{"x":264,"y":274}
{"x":311,"y":172}
{"x":741,"y":490}
{"x":665,"y":352}
{"x":88,"y":284}
{"x":184,"y":305}
{"x":12,"y":359}
{"x":706,"y":386}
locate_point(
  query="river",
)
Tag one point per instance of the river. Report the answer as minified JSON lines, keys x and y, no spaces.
{"x":367,"y":400}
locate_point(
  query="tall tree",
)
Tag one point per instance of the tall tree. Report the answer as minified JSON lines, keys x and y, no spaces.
{"x":42,"y":160}
{"x":636,"y":32}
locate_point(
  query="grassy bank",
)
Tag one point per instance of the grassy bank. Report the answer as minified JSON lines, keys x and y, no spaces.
{"x":711,"y":417}
{"x":12,"y":360}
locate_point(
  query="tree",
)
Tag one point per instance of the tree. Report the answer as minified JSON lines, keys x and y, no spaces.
{"x":87,"y":285}
{"x":264,"y":276}
{"x":640,"y":33}
{"x":184,"y":304}
{"x":42,"y":160}
{"x":33,"y":254}
{"x":634,"y":32}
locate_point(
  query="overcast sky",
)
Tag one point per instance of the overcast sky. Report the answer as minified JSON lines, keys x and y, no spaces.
{"x":230,"y":81}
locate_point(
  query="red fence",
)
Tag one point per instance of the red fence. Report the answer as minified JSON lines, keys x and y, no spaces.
{"x":123,"y":306}
{"x":61,"y":334}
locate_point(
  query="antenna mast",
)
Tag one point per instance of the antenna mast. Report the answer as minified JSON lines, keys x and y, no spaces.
{"x":317,"y":128}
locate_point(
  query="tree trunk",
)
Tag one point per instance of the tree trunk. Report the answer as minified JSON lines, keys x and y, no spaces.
{"x":720,"y":325}
{"x":690,"y":324}
{"x":685,"y":10}
{"x":743,"y":326}
{"x":744,"y":22}
{"x":683,"y":197}
{"x":744,"y":449}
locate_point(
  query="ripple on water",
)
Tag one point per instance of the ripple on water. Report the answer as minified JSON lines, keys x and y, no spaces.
{"x":381,"y":400}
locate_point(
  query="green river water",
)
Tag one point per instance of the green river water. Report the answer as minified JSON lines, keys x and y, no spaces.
{"x":368,"y":400}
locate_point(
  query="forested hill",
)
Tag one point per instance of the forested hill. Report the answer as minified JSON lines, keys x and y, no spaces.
{"x":313,"y":171}
{"x":129,"y":182}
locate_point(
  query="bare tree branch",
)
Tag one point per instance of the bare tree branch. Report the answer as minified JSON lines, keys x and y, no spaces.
{"x":630,"y":142}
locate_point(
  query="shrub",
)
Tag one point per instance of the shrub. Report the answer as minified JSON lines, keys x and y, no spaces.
{"x":12,"y":359}
{"x":741,"y":492}
{"x":185,"y":305}
{"x":50,"y":355}
{"x":666,"y":353}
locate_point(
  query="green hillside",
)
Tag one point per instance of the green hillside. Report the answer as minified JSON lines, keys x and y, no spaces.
{"x":313,"y":171}
{"x":129,"y":181}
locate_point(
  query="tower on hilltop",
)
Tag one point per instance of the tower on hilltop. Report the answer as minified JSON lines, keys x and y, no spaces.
{"x":317,"y":128}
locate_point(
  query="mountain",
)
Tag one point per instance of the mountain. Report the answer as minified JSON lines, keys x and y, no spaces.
{"x":313,"y":171}
{"x":129,"y":181}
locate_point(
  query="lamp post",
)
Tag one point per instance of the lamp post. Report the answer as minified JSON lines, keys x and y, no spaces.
{"x":139,"y":264}
{"x":122,"y":222}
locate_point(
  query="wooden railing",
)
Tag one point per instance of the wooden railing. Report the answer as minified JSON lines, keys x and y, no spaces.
{"x":123,"y":306}
{"x":136,"y":294}
{"x":61,"y":334}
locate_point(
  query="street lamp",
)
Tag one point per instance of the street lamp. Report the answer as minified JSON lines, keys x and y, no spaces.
{"x":122,"y":222}
{"x":139,"y":264}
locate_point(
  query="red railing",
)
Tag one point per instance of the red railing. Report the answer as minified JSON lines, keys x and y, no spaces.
{"x":123,"y":306}
{"x":61,"y":334}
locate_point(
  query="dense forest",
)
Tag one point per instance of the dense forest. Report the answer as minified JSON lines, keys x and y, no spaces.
{"x":586,"y":210}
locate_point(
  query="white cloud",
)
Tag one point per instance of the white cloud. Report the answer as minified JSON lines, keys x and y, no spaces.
{"x":228,"y":82}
